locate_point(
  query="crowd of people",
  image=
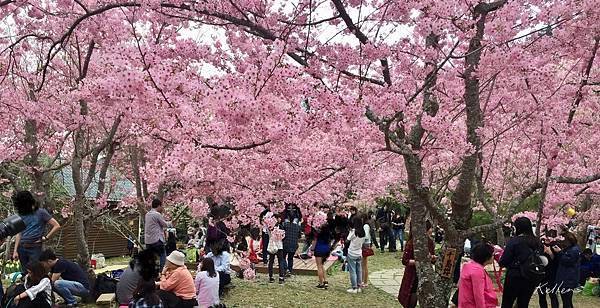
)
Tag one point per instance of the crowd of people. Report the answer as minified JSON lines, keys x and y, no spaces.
{"x":158,"y":277}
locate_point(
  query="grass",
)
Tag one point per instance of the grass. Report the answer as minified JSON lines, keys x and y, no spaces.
{"x":300,"y":291}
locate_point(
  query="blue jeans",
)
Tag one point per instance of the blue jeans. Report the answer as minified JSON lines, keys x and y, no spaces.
{"x":355,"y":271}
{"x":399,"y":234}
{"x":69,"y":289}
{"x":28,"y":254}
{"x":159,"y":250}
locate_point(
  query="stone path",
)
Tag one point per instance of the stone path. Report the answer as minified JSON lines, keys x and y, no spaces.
{"x":387,"y":280}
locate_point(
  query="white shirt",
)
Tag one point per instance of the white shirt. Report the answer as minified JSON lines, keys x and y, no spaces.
{"x":221,"y":261}
{"x":367,"y":233}
{"x":356,"y":243}
{"x":44,"y":286}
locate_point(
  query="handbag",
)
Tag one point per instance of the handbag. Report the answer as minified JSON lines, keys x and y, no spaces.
{"x":367,"y":252}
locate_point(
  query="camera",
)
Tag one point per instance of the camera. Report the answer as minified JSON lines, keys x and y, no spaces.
{"x":11,"y":226}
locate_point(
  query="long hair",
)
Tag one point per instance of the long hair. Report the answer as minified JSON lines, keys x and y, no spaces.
{"x":146,"y":289}
{"x":24,"y":202}
{"x":208,"y":265}
{"x":37,"y":272}
{"x":358,"y":225}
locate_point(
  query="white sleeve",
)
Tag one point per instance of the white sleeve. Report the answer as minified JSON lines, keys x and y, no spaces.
{"x":40,"y":287}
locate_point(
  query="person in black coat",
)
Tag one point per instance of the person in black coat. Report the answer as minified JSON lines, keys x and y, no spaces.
{"x":567,"y":273}
{"x":517,"y":251}
{"x":547,"y":286}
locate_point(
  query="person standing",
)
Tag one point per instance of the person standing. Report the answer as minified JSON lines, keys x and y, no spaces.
{"x":547,"y":284}
{"x":567,"y":274}
{"x":322,"y":251}
{"x":154,"y":231}
{"x":265,"y":233}
{"x":384,"y":227}
{"x":517,"y":251}
{"x":29,"y":243}
{"x":407,"y":295}
{"x":357,"y":238}
{"x":475,"y":286}
{"x":290,"y":244}
{"x":398,"y":229}
{"x":68,"y":278}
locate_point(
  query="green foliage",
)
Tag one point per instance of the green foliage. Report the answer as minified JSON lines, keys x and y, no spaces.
{"x":392,"y":203}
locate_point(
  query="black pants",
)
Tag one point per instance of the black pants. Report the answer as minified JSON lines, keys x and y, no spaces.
{"x":567,"y":299}
{"x":280,"y":263}
{"x":224,"y":279}
{"x":544,"y":303}
{"x":383,"y":238}
{"x":517,"y":289}
{"x":170,"y":300}
{"x":374,"y":238}
{"x":289,"y":261}
{"x":265,"y":243}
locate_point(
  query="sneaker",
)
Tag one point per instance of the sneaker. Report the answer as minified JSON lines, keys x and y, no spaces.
{"x":358,"y":290}
{"x":326,"y":283}
{"x":281,"y":280}
{"x":321,"y":286}
{"x":271,"y":279}
{"x":353,"y":291}
{"x":288,"y":274}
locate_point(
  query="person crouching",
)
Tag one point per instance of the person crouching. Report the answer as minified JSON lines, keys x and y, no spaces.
{"x":176,"y":283}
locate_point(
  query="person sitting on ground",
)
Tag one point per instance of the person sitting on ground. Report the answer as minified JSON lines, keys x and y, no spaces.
{"x":68,"y":277}
{"x":207,"y":284}
{"x":222,"y":261}
{"x":29,"y":243}
{"x":38,"y":291}
{"x":475,"y":286}
{"x":176,"y":283}
{"x":145,"y":296}
{"x":130,"y":279}
{"x":590,"y":265}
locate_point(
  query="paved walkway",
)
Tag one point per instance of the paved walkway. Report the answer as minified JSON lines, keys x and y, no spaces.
{"x":387,"y":280}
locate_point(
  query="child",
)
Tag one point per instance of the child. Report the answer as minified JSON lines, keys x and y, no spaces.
{"x":38,"y":291}
{"x":145,"y":296}
{"x":207,"y":284}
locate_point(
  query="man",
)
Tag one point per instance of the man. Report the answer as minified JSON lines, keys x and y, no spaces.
{"x":398,"y":228}
{"x":68,"y":278}
{"x":265,"y":234}
{"x":290,"y":244}
{"x":385,"y":229}
{"x":154,"y":231}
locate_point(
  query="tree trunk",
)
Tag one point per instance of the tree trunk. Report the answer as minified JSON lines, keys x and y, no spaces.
{"x":83,"y":254}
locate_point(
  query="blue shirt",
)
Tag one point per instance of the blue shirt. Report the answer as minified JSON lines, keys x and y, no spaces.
{"x":35,"y":226}
{"x":221,"y":261}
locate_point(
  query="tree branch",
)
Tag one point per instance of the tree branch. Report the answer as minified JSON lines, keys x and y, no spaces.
{"x":235,"y":148}
{"x":315,"y":184}
{"x":573,"y":180}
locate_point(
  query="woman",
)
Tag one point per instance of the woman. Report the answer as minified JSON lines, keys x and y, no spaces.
{"x":38,"y":293}
{"x":275,"y":248}
{"x":367,"y":251}
{"x":517,"y":251}
{"x":567,"y":274}
{"x":356,"y":237}
{"x":547,"y":284}
{"x":171,"y":242}
{"x":221,"y":259}
{"x":145,"y":296}
{"x":207,"y":284}
{"x":177,"y":287}
{"x":29,"y":243}
{"x":322,"y":251}
{"x":407,"y":296}
{"x":476,"y":287}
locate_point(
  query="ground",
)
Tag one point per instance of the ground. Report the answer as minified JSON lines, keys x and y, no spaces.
{"x":300,"y":291}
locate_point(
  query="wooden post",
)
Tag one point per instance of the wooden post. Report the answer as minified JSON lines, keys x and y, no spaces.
{"x":448,"y":262}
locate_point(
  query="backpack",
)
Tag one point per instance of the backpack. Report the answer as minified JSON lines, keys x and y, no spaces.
{"x":104,"y":285}
{"x":533,"y":268}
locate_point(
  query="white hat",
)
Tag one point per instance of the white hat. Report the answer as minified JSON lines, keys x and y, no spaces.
{"x":177,"y":258}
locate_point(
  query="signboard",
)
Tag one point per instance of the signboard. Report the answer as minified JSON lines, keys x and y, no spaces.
{"x":448,"y":262}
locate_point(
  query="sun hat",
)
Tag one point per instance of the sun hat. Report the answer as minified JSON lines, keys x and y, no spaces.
{"x":177,"y":258}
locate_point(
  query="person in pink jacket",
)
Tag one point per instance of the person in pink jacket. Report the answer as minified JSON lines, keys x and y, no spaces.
{"x":475,"y":288}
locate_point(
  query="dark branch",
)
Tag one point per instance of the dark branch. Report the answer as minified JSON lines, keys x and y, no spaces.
{"x":235,"y":148}
{"x":582,"y":180}
{"x":315,"y":184}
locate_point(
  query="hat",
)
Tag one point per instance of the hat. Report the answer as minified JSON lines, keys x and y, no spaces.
{"x":177,"y":258}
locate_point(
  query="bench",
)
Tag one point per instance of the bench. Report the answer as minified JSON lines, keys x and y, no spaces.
{"x":107,"y":299}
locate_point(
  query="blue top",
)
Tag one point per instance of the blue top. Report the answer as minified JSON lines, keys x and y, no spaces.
{"x":71,"y":271}
{"x":35,"y":226}
{"x":567,"y":274}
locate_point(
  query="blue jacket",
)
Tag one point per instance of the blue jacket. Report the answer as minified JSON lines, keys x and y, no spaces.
{"x":569,"y":263}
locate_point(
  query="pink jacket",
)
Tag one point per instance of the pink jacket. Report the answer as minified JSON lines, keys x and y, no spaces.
{"x":475,"y":288}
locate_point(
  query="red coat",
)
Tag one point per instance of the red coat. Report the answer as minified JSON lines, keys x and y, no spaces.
{"x":410,"y":271}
